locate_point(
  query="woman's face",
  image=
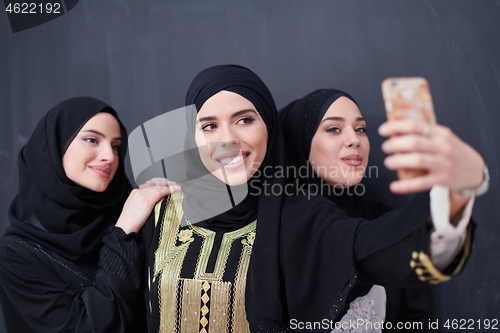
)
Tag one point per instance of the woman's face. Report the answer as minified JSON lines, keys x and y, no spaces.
{"x":340,"y":148}
{"x":91,"y":159}
{"x":231,"y":137}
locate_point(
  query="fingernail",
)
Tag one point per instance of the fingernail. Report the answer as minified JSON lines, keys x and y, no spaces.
{"x":382,"y":130}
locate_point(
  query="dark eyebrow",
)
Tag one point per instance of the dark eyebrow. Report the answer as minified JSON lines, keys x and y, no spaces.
{"x":234,"y":115}
{"x":342,"y":119}
{"x":99,"y":133}
{"x":333,"y":118}
{"x":206,"y":118}
{"x":239,"y":113}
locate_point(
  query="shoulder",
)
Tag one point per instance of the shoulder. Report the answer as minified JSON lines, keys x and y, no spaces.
{"x":16,"y":249}
{"x":173,"y":200}
{"x":315,"y":214}
{"x":312,"y":204}
{"x":22,"y":260}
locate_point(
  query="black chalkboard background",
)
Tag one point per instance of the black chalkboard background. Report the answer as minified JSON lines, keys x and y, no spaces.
{"x":140,"y":56}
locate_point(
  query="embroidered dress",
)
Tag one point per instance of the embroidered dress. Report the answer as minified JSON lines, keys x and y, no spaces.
{"x":202,"y":297}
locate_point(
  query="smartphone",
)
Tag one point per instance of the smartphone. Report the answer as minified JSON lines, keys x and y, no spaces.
{"x":408,"y":98}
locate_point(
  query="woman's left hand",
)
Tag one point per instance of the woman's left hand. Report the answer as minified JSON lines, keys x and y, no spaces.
{"x":448,"y":160}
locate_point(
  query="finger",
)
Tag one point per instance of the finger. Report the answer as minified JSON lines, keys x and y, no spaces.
{"x":412,"y":161}
{"x":150,"y":196}
{"x":404,"y":126}
{"x":156,"y":182}
{"x":175,"y":188}
{"x":417,"y":184}
{"x":148,"y":185}
{"x":163,"y":191}
{"x":409,"y":143}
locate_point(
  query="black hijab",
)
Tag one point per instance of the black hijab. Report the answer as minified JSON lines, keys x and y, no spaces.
{"x":49,"y":208}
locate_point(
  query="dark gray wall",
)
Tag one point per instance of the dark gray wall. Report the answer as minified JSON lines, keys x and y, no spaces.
{"x":140,"y":56}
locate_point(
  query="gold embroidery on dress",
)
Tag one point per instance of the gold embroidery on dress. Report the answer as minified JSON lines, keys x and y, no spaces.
{"x":206,"y":248}
{"x":201,"y":304}
{"x":240,"y":323}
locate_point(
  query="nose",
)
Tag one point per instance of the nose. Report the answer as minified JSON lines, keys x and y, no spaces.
{"x":107,"y":153}
{"x":351,"y":139}
{"x":228,"y":137}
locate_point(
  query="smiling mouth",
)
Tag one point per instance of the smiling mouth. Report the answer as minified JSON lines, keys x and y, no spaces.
{"x":232,"y":160}
{"x":104,"y":172}
{"x":353,"y":159}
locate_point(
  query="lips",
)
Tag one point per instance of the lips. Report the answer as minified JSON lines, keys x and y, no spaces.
{"x":102,"y":171}
{"x":352,"y":159}
{"x":232,"y":160}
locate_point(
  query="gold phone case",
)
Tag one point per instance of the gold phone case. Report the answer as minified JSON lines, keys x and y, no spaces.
{"x":408,"y":98}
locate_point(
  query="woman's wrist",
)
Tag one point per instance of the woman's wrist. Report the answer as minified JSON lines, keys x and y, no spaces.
{"x":481,"y":189}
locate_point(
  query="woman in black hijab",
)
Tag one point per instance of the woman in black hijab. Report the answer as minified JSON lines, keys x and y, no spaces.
{"x":64,"y":267}
{"x":305,"y":252}
{"x":300,"y":121}
{"x":208,"y":260}
{"x":326,"y":136}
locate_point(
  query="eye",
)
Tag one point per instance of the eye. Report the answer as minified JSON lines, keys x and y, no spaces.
{"x":115,"y":147}
{"x":333,"y":130}
{"x":208,"y":127}
{"x":361,"y":130}
{"x":90,"y":140}
{"x":245,"y":120}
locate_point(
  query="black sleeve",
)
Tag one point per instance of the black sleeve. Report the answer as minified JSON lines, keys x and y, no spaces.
{"x":393,"y":250}
{"x":383,"y":247}
{"x":45,"y":293}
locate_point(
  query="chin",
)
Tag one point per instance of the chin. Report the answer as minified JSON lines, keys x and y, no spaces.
{"x":343,"y":183}
{"x":98,"y":188}
{"x":352,"y":182}
{"x":236,"y":179}
{"x":231,"y":179}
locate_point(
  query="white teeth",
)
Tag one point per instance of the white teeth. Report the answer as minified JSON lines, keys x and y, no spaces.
{"x":231,"y":160}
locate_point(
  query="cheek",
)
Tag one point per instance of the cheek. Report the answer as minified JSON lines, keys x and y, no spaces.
{"x":205,"y":157}
{"x":325,"y":150}
{"x":199,"y":139}
{"x":116,"y":163}
{"x":261,"y":144}
{"x":203,"y":149}
{"x":366,"y":150}
{"x":67,"y":165}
